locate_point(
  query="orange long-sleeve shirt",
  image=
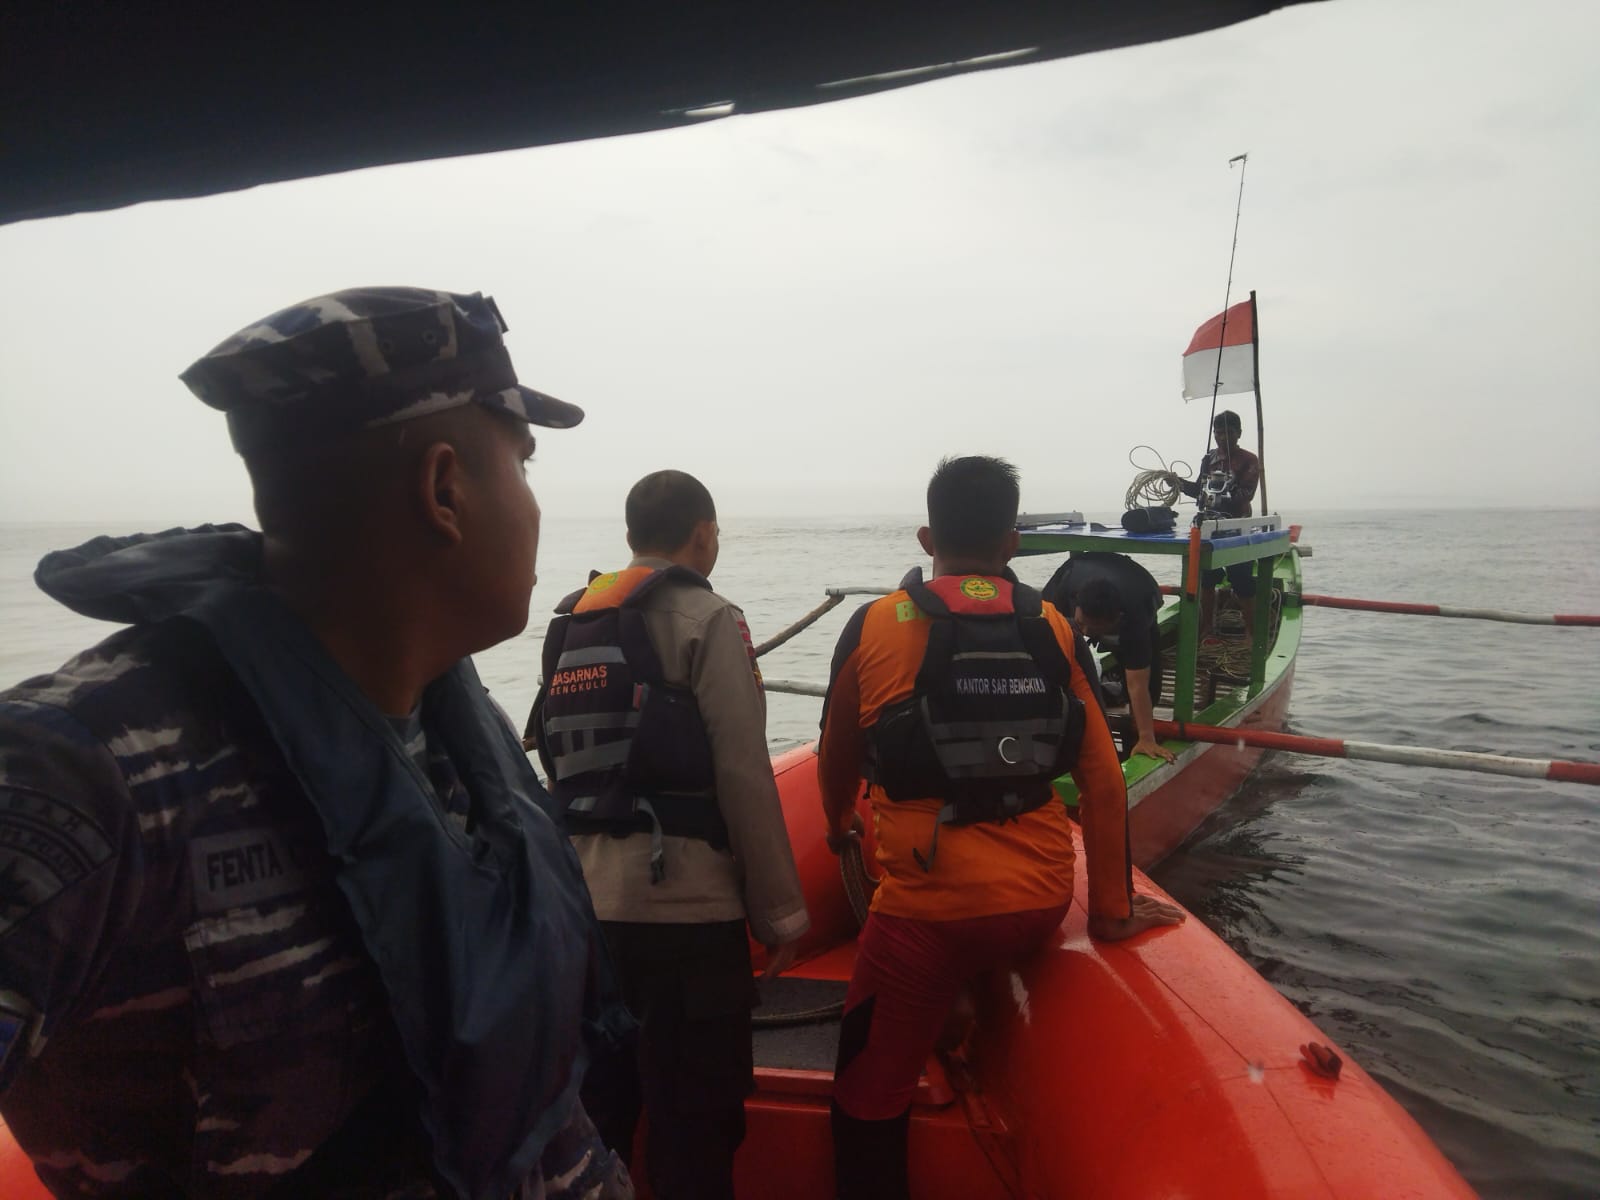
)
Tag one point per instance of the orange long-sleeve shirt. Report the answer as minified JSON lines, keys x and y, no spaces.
{"x":981,"y":869}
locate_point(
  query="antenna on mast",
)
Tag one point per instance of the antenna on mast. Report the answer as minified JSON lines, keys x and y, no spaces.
{"x":1227,"y":295}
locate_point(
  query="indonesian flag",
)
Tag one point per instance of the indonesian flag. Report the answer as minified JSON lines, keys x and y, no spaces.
{"x":1234,"y":344}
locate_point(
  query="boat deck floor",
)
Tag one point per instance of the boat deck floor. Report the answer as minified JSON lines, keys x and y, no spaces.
{"x":792,"y":1034}
{"x":788,"y":1153}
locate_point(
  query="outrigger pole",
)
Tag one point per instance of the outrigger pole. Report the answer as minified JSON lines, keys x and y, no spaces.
{"x":1309,"y":600}
{"x":1555,"y":769}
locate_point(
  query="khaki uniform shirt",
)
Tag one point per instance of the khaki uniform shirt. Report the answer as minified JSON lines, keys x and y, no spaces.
{"x":704,"y":644}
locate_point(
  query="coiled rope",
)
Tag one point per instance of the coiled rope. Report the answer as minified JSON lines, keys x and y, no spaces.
{"x":858,"y":887}
{"x":1150,"y":488}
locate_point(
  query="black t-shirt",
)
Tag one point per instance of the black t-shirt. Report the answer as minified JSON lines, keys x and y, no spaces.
{"x":1141,"y":600}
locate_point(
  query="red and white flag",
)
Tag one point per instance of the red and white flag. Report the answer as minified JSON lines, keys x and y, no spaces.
{"x":1236,"y":346}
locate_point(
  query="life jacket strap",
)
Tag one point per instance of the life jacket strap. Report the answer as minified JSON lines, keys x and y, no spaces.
{"x":688,"y":815}
{"x":589,"y":656}
{"x":658,"y":855}
{"x":947,"y":813}
{"x":1012,"y":806}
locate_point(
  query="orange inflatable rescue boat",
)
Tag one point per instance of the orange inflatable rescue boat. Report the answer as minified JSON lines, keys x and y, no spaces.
{"x":1163,"y":1066}
{"x":1159,"y":1067}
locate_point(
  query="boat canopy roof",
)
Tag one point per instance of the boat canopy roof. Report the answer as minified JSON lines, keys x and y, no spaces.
{"x":111,"y":104}
{"x":1241,"y":539}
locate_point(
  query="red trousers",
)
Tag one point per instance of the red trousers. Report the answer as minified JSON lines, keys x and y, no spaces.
{"x":907,"y":976}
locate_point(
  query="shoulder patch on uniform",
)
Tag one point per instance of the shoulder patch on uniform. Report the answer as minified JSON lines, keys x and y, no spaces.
{"x":907,"y":610}
{"x":246,"y":866}
{"x":750,"y":648}
{"x":46,"y":845}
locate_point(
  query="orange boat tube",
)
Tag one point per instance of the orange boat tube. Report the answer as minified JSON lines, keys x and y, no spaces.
{"x":1163,"y":1066}
{"x":1158,"y":1067}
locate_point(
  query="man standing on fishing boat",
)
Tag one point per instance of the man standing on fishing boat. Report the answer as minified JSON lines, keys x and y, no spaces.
{"x":281,"y":910}
{"x":959,"y":699}
{"x":1112,"y":599}
{"x":652,"y":726}
{"x":1236,"y":474}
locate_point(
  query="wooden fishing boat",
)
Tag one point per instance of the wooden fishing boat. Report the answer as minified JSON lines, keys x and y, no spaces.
{"x":1240,"y":681}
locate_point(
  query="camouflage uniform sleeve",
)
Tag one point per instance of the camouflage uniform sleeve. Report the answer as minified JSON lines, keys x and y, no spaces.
{"x":69,"y":865}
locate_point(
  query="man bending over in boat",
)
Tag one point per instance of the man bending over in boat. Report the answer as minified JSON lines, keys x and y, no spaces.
{"x":674,"y":812}
{"x":281,"y":910}
{"x":959,"y":699}
{"x":1239,"y":474}
{"x":1114,"y":600}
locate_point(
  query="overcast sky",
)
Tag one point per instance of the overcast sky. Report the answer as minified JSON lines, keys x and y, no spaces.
{"x":808,"y":308}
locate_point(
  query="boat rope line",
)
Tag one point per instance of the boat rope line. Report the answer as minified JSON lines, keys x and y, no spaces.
{"x":1150,"y":488}
{"x":1555,"y":770}
{"x":1309,"y":600}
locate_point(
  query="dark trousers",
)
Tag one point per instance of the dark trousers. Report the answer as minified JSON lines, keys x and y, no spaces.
{"x":691,"y":989}
{"x":1116,"y":674}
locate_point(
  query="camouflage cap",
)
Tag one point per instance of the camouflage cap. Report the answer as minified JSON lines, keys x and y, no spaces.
{"x":366,"y":357}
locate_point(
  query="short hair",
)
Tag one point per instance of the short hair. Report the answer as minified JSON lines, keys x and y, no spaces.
{"x":1230,"y":419}
{"x":663,"y":508}
{"x":1100,"y":600}
{"x":302,"y":484}
{"x":972,"y":504}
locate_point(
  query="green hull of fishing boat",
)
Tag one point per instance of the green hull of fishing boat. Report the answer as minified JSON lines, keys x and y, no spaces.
{"x":1234,"y":681}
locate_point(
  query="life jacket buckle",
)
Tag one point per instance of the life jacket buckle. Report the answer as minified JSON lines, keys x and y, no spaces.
{"x":658,"y":854}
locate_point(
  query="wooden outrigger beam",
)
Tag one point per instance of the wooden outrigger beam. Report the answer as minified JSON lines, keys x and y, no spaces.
{"x":1433,"y":610}
{"x":1554,"y":769}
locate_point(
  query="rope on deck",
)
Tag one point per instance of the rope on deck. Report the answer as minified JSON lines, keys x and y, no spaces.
{"x":858,"y":888}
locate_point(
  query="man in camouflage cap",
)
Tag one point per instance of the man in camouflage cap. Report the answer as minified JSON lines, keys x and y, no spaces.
{"x":282,"y":912}
{"x":368,"y":357}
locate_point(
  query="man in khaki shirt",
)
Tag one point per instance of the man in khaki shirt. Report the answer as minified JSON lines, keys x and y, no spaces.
{"x":674,"y":814}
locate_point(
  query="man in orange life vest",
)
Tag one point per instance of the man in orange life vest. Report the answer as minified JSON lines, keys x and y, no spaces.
{"x":959,"y":699}
{"x":652,"y":727}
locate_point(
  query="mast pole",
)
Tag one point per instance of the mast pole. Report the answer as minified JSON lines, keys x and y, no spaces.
{"x":1227,"y":295}
{"x":1255,"y":367}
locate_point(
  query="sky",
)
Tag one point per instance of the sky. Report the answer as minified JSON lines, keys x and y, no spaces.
{"x":808,"y":308}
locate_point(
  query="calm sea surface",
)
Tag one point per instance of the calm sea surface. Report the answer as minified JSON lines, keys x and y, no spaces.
{"x":1443,"y":927}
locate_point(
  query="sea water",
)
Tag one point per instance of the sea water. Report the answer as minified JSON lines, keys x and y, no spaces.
{"x":1442,"y":927}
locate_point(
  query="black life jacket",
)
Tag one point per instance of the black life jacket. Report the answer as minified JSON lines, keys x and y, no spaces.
{"x":625,"y":752}
{"x":991,"y":719}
